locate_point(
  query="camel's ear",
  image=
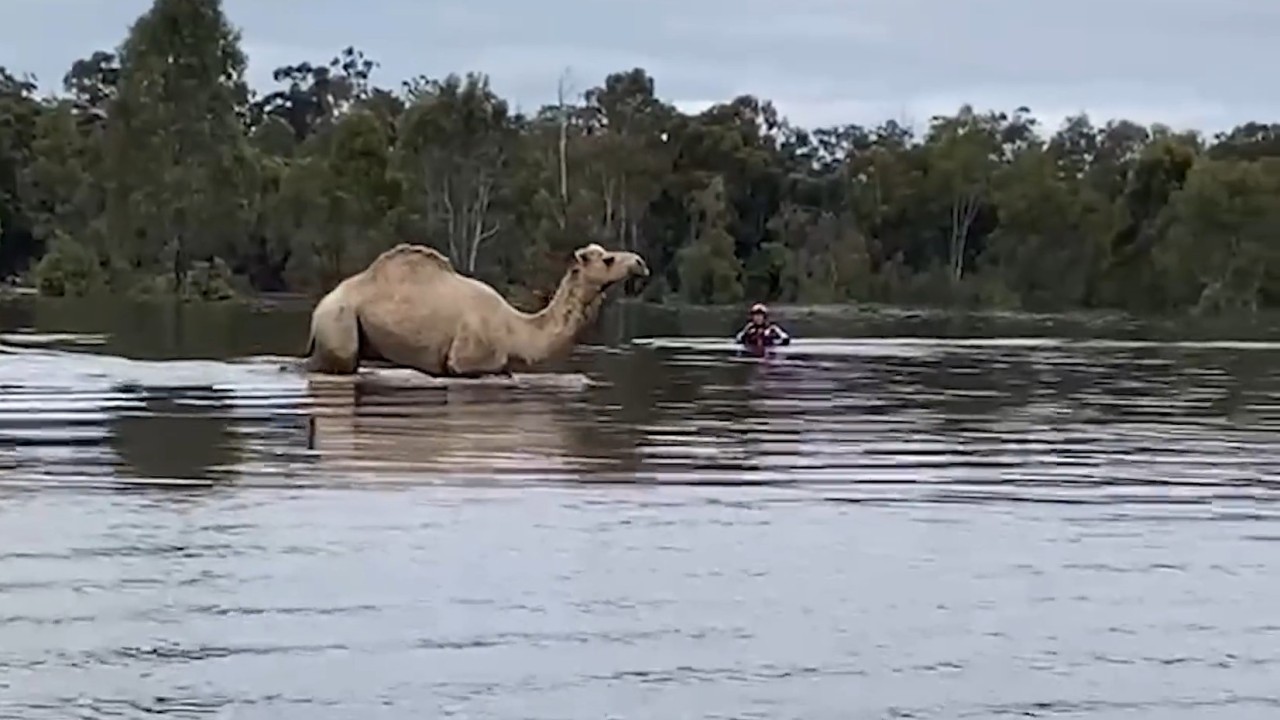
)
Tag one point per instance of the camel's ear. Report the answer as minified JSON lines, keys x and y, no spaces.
{"x":584,"y":255}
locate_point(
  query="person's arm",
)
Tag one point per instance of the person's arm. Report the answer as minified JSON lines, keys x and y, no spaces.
{"x":742,"y":334}
{"x":783,"y":337}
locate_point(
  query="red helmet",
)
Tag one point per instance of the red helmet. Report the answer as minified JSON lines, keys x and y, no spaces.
{"x":759,"y":308}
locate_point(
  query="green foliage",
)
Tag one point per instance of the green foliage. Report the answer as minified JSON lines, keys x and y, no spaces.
{"x":68,"y":269}
{"x":175,"y":151}
{"x":709,"y":270}
{"x":1218,"y":249}
{"x":174,"y":179}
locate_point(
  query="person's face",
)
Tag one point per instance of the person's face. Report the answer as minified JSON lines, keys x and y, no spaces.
{"x":757,"y":318}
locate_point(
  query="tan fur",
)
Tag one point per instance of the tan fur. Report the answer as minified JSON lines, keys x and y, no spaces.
{"x":410,"y":307}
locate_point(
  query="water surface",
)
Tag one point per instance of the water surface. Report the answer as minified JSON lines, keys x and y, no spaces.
{"x":902,"y":516}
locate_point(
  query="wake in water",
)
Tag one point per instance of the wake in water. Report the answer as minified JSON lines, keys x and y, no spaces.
{"x":915,"y":346}
{"x":889,"y":417}
{"x":71,"y":418}
{"x":37,"y":361}
{"x":400,"y":377}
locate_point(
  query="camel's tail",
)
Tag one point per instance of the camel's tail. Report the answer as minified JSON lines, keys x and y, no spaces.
{"x":309,"y":362}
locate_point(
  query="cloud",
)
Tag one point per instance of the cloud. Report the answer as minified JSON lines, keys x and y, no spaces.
{"x":1186,"y":62}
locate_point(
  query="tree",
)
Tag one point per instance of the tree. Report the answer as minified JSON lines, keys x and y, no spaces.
{"x":175,"y":152}
{"x":1220,"y":245}
{"x":1045,"y":248}
{"x":709,"y":271}
{"x":338,"y":196}
{"x":19,"y":116}
{"x":454,"y":146}
{"x":155,"y":168}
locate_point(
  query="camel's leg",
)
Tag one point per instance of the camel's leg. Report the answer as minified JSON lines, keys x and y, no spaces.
{"x":471,"y":356}
{"x":334,"y":347}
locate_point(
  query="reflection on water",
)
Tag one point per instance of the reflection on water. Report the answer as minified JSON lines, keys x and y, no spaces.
{"x":174,"y":433}
{"x":882,"y":527}
{"x":478,"y":434}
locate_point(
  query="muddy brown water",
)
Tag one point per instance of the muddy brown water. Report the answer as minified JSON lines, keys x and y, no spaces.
{"x":902,"y":516}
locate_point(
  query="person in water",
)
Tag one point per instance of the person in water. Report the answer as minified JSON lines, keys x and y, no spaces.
{"x":760,"y":331}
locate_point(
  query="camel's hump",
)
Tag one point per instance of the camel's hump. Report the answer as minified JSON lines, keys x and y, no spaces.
{"x":412,"y":253}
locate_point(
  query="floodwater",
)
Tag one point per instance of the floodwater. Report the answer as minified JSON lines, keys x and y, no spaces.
{"x":898,"y":517}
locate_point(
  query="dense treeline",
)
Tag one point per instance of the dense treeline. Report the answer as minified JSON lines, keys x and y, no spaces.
{"x":156,"y":170}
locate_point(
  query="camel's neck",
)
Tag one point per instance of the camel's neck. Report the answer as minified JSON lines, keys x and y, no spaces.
{"x":553,"y":330}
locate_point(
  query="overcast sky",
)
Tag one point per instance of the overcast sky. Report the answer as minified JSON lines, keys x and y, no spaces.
{"x":1190,"y":63}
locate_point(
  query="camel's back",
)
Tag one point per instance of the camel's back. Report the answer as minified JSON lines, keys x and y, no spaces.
{"x":408,"y":263}
{"x":425,"y":273}
{"x":416,"y":284}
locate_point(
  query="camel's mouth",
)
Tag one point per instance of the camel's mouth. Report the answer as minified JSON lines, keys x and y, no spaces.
{"x":633,"y":282}
{"x":636,"y":282}
{"x":638,"y":278}
{"x":631,"y":285}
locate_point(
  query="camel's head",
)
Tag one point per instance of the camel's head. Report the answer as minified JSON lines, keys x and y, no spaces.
{"x":601,"y":269}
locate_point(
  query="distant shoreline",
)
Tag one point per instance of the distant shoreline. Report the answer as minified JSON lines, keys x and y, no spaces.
{"x":791,"y":311}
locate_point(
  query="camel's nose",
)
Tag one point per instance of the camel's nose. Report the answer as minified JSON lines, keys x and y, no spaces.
{"x":640,"y":268}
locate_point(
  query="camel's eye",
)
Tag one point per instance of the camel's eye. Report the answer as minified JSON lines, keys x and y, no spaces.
{"x":608,"y":260}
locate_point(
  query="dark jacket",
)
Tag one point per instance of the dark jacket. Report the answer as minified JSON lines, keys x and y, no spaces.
{"x":762,"y":335}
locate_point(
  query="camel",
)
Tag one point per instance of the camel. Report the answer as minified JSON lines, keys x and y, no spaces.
{"x":411,"y":308}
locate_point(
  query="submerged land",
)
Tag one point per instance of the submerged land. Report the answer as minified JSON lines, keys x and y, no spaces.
{"x":157,"y":171}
